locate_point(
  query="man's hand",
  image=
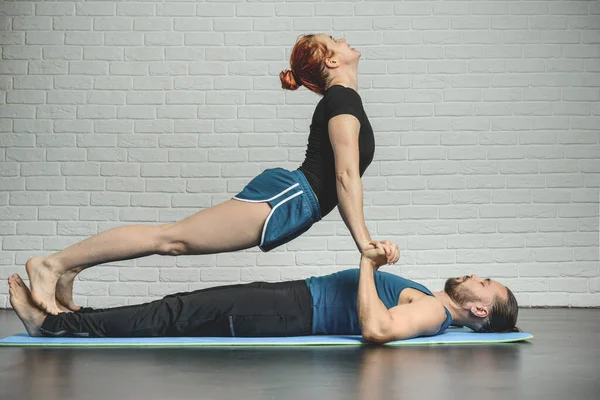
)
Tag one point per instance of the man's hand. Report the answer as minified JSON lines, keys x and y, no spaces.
{"x":381,"y":253}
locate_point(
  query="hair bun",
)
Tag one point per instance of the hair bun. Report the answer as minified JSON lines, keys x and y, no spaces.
{"x":288,"y":81}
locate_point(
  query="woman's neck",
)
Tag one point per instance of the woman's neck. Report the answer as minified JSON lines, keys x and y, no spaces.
{"x":347,"y":81}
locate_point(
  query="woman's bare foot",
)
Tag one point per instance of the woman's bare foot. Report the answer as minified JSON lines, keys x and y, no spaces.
{"x":20,"y":299}
{"x":43,"y":278}
{"x":64,"y":291}
{"x":63,"y":308}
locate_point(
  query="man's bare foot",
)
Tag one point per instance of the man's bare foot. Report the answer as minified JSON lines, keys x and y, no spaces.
{"x":20,"y":299}
{"x":64,"y":291}
{"x":43,"y":279}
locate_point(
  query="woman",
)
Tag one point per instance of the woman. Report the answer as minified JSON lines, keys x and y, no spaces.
{"x":274,"y":208}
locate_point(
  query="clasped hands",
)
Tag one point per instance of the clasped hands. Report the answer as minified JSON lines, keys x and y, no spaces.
{"x":381,"y":252}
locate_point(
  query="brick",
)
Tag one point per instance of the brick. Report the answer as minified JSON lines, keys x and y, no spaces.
{"x":135,"y":9}
{"x":69,"y":199}
{"x":564,"y":65}
{"x":569,"y":285}
{"x":494,"y":109}
{"x":434,"y":257}
{"x":504,"y":241}
{"x":465,"y":242}
{"x":528,"y":8}
{"x":417,"y":212}
{"x":529,"y":211}
{"x":584,"y":300}
{"x":474,"y":256}
{"x":557,"y":225}
{"x":511,"y":196}
{"x":77,"y":229}
{"x":139,"y":274}
{"x":57,"y":213}
{"x":513,"y":80}
{"x":124,"y":39}
{"x":521,"y":36}
{"x":99,"y":274}
{"x":549,"y":300}
{"x":586,"y":254}
{"x":578,"y":211}
{"x":581,"y":239}
{"x":260,"y":274}
{"x":594,"y":285}
{"x":437,"y":228}
{"x":35,"y":228}
{"x":545,"y":240}
{"x":513,"y":256}
{"x":585,"y":196}
{"x":451,"y":9}
{"x":431,"y":198}
{"x":588,"y":225}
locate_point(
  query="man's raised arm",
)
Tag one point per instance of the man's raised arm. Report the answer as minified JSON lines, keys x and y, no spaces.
{"x":381,"y":325}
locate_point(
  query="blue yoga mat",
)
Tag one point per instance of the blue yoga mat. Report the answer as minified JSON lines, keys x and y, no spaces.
{"x":451,"y":336}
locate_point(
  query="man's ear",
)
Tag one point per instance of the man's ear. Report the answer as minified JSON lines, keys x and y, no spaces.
{"x":479,"y":310}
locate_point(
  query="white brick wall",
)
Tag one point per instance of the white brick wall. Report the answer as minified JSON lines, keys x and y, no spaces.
{"x":487,"y":118}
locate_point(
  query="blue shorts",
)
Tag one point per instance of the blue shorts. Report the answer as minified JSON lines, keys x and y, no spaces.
{"x":294,"y":206}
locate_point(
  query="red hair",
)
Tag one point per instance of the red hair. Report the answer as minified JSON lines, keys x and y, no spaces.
{"x":307,"y":66}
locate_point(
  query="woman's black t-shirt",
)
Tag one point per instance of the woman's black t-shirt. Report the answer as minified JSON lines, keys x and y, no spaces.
{"x":319,"y":164}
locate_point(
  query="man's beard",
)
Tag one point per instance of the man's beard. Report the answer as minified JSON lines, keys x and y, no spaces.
{"x":458,"y":292}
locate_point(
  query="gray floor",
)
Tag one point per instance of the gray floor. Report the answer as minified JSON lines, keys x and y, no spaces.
{"x":561,"y":362}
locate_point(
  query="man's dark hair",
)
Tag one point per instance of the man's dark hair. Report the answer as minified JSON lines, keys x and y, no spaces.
{"x":503,"y":317}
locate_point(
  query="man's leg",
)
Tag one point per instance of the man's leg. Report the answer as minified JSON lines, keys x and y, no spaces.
{"x":271,"y":309}
{"x":20,"y":299}
{"x":254,"y":309}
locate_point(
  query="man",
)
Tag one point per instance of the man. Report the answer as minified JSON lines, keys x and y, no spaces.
{"x":380,"y":306}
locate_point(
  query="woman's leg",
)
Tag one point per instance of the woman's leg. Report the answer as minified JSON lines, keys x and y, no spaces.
{"x":64,"y":290}
{"x":230,"y":226}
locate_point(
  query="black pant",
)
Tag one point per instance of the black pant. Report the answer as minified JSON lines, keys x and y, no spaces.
{"x":253,"y":309}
